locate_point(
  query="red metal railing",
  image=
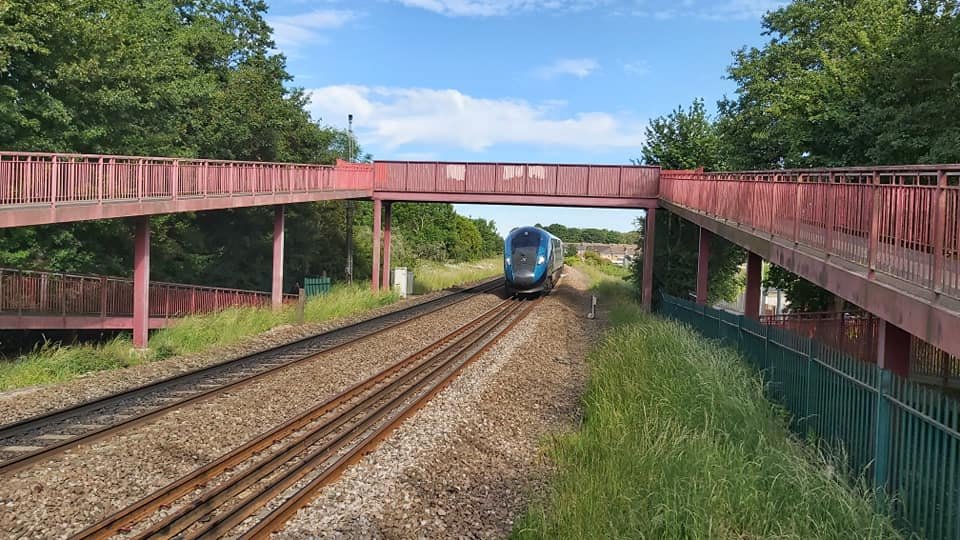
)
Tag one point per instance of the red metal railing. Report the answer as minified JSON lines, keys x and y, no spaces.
{"x":517,"y":179}
{"x":47,"y":293}
{"x":858,"y":335}
{"x":56,"y":179}
{"x":902,"y":221}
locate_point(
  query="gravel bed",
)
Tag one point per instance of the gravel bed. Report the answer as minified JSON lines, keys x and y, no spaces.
{"x":468,"y":464}
{"x":26,"y":402}
{"x":57,"y":498}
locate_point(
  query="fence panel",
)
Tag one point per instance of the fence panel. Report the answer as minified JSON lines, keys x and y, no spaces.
{"x":903,"y":437}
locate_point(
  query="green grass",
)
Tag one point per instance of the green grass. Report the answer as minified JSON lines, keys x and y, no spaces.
{"x":678,"y":441}
{"x":51,"y":363}
{"x":431,"y":276}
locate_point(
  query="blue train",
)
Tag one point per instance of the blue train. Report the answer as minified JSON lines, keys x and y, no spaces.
{"x":532,"y":260}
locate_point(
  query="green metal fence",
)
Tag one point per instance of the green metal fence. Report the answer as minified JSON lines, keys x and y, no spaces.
{"x":316,"y":285}
{"x":899,"y":435}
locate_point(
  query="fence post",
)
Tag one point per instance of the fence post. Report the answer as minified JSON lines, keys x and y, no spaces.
{"x":808,"y":387}
{"x":881,"y":443}
{"x":301,"y":303}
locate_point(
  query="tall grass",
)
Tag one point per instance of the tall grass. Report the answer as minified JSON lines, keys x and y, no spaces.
{"x":431,"y":276}
{"x":53,"y":363}
{"x":679,"y":442}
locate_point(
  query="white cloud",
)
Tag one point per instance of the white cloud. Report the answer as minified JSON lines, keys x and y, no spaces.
{"x":576,"y":67}
{"x":291,"y":32}
{"x":397,"y":118}
{"x":489,"y":8}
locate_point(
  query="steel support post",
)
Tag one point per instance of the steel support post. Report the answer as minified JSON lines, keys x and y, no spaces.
{"x":703,"y":266}
{"x":375,"y":278}
{"x":385,"y":283}
{"x":893,"y":351}
{"x":751,"y":301}
{"x":649,"y":234}
{"x":276,"y":296}
{"x":141,"y":282}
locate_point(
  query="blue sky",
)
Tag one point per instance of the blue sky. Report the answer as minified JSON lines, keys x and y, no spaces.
{"x":571,"y":81}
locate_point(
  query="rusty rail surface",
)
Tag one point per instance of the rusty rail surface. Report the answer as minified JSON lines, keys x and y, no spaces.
{"x":320,"y":443}
{"x":903,"y":221}
{"x":24,"y":292}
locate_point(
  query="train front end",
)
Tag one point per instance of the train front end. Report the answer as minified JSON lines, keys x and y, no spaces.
{"x":526,"y":252}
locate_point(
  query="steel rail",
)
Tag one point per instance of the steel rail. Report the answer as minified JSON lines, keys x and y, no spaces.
{"x":121,"y":521}
{"x":21,"y":427}
{"x":220,"y":525}
{"x":437,"y":358}
{"x":275,"y":520}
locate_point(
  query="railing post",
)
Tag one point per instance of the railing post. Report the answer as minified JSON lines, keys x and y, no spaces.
{"x":881,"y":442}
{"x":874,"y":245}
{"x":831,"y":215}
{"x":798,"y":210}
{"x":100,"y":180}
{"x":939,"y":223}
{"x":55,"y":188}
{"x":175,"y":186}
{"x":139,"y":179}
{"x":103,"y":297}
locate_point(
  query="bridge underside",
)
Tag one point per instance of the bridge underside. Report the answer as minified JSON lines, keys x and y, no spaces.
{"x":918,"y":310}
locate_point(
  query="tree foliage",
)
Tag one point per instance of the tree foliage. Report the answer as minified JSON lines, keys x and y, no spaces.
{"x":686,"y":139}
{"x":844,"y":84}
{"x":590,"y":235}
{"x":188,"y":78}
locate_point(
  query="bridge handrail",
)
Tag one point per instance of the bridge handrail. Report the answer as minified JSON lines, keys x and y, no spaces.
{"x":898,"y":220}
{"x":39,"y":292}
{"x":37,"y":178}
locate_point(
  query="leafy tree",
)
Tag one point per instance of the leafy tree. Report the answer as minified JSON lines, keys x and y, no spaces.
{"x":844,"y":84}
{"x":686,"y":140}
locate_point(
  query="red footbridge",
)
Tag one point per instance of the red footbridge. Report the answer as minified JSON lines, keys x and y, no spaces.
{"x":886,"y":239}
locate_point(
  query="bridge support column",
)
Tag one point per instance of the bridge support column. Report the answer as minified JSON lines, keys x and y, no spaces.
{"x":385,"y":283}
{"x":703,"y":266}
{"x":751,"y":301}
{"x":375,"y":277}
{"x":276,"y":295}
{"x":141,"y":282}
{"x":893,"y":350}
{"x":648,"y":241}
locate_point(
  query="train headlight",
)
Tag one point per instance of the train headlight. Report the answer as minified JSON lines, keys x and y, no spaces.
{"x":541,"y":259}
{"x":508,"y":261}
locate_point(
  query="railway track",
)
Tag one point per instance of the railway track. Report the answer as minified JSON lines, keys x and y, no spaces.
{"x":253,"y":491}
{"x":41,"y":437}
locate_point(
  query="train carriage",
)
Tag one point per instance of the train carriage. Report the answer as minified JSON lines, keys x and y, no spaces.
{"x":532,"y":261}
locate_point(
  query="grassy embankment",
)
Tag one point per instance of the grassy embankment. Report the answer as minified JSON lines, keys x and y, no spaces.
{"x":55,"y":363}
{"x":678,"y":441}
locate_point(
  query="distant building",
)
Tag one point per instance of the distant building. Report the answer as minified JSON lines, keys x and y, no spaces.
{"x":619,"y":254}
